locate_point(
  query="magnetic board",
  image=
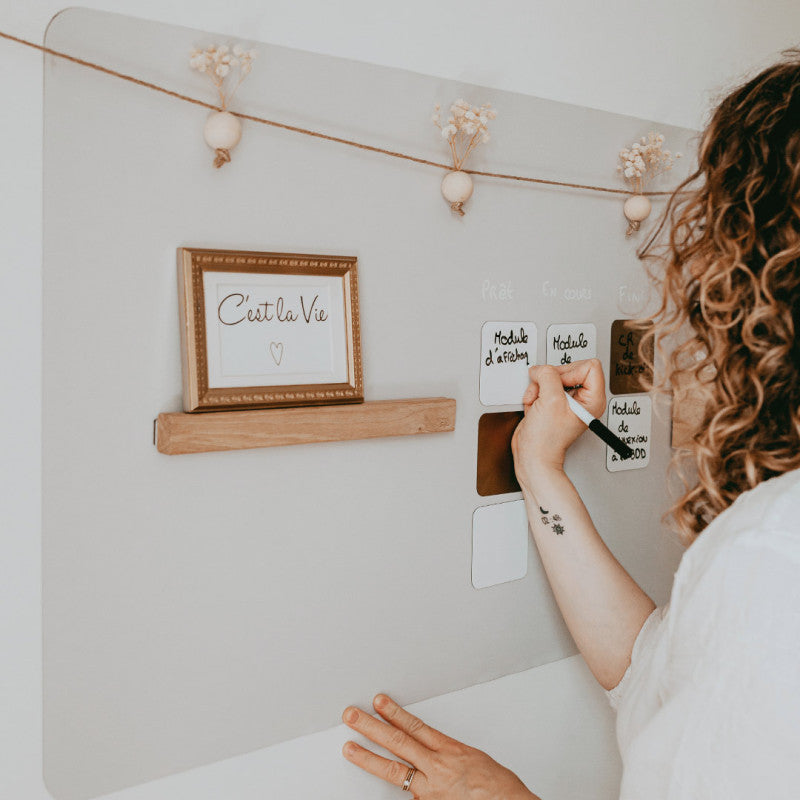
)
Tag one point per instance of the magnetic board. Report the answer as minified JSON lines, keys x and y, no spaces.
{"x":197,"y":607}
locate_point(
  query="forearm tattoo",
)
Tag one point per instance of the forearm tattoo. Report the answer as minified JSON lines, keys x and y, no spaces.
{"x":552,"y":521}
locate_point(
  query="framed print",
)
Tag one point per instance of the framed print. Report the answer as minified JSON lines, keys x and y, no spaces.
{"x":262,"y":330}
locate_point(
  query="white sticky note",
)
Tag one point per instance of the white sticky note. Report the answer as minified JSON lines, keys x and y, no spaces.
{"x":508,"y":349}
{"x":630,"y":417}
{"x":571,"y":342}
{"x":499,"y":544}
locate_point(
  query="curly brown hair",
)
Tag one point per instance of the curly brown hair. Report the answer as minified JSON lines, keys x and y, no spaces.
{"x":728,"y":256}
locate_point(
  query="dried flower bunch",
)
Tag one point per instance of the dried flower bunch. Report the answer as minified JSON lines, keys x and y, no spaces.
{"x":223,"y":130}
{"x":644,"y":160}
{"x":641,"y":162}
{"x":466,"y":128}
{"x":218,"y":62}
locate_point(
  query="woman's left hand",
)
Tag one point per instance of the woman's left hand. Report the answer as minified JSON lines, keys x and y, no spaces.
{"x":445,"y":768}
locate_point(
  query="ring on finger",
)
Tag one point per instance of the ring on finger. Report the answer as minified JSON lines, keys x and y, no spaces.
{"x":409,"y":777}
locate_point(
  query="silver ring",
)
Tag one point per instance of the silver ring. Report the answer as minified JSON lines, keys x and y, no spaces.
{"x":410,"y":777}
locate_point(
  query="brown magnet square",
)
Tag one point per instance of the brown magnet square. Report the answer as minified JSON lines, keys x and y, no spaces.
{"x":495,"y":461}
{"x":627,"y":369}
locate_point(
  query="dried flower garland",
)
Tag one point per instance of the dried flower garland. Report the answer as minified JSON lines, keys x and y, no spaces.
{"x":641,"y":162}
{"x":527,"y":179}
{"x":466,"y":128}
{"x":223,"y":130}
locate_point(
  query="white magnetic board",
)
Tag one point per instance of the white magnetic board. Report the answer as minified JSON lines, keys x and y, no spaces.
{"x":196,"y":607}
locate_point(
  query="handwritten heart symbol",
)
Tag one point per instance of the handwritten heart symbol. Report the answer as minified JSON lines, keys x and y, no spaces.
{"x":276,"y":351}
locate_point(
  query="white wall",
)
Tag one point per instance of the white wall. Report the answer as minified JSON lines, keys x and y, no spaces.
{"x":660,"y":62}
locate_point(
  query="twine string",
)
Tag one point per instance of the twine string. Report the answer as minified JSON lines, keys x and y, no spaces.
{"x":223,"y":156}
{"x":633,"y":226}
{"x":308,"y":132}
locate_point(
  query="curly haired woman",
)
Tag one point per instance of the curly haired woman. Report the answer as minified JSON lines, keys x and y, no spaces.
{"x":708,"y":687}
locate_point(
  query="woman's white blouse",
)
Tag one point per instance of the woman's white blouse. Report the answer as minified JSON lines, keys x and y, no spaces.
{"x":710,"y":705}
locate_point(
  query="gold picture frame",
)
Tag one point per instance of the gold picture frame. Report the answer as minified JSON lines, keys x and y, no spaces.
{"x":263,"y":330}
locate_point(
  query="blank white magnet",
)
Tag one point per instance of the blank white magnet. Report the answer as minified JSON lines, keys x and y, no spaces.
{"x":499,"y":544}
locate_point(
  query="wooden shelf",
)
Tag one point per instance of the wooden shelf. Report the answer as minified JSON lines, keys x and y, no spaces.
{"x":178,"y":433}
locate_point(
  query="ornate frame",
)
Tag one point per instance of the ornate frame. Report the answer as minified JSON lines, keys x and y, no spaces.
{"x":197,"y":396}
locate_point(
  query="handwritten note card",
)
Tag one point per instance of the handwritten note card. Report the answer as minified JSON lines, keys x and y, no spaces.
{"x":571,"y":342}
{"x":267,"y":330}
{"x":627,"y":369}
{"x":630,"y":418}
{"x":508,"y":349}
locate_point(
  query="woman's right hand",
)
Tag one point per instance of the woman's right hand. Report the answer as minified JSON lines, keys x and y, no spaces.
{"x":603,"y":607}
{"x":549,"y":426}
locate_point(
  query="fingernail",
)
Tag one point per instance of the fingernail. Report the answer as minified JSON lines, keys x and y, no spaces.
{"x":350,"y":715}
{"x":349,"y":748}
{"x":380,"y":701}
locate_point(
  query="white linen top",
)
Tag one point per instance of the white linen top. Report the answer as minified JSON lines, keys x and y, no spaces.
{"x":710,"y":706}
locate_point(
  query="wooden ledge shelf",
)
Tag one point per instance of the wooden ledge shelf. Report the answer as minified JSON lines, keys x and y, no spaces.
{"x":178,"y":433}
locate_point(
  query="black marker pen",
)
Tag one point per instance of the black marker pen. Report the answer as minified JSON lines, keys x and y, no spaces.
{"x":597,"y":427}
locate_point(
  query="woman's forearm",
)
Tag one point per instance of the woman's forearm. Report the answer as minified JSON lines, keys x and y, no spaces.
{"x":604,"y":608}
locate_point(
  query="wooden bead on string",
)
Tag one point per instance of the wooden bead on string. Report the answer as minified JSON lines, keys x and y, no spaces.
{"x":637,"y":209}
{"x":457,"y":189}
{"x":222,"y":133}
